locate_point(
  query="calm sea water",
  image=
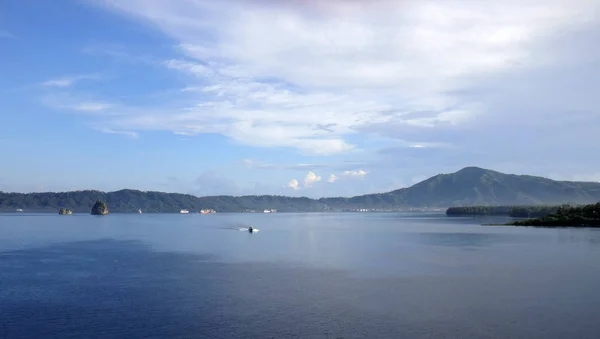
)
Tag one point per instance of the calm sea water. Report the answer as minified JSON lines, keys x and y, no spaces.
{"x":302,"y":276}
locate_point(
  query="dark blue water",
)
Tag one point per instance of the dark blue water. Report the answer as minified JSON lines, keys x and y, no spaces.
{"x":301,"y":276}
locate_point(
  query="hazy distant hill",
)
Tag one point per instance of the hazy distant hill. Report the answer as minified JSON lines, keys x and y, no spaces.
{"x":131,"y":200}
{"x":469,"y":186}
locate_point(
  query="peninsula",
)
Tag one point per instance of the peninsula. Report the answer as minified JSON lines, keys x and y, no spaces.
{"x":566,"y":216}
{"x":532,"y":211}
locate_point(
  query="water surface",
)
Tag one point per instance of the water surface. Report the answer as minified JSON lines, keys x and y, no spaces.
{"x":346,"y":275}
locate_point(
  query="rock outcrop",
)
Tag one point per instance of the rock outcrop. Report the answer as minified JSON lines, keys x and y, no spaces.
{"x":100,"y":208}
{"x":65,"y":211}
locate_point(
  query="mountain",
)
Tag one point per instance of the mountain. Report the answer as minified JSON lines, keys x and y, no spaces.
{"x":467,"y":187}
{"x":477,"y":186}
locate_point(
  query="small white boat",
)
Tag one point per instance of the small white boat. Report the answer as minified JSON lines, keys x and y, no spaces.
{"x":140,"y":211}
{"x":19,"y":210}
{"x":267,"y":211}
{"x":184,"y":211}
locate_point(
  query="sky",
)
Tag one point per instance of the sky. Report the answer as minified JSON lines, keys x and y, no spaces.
{"x":299,"y":98}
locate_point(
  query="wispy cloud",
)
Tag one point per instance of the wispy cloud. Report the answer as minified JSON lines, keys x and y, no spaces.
{"x":355,"y":173}
{"x":68,"y":81}
{"x":62,"y":82}
{"x":74,"y":102}
{"x":322,"y":77}
{"x":431,"y":145}
{"x":332,"y":178}
{"x":90,"y":106}
{"x":255,"y":164}
{"x":128,"y":134}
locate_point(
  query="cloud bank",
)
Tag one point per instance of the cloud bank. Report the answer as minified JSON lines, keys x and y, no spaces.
{"x":322,"y":77}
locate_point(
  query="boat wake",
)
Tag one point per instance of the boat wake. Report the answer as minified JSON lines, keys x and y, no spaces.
{"x":246,"y":229}
{"x":241,"y":227}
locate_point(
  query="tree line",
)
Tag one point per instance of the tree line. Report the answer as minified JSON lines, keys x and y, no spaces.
{"x":534,"y":211}
{"x":567,"y":216}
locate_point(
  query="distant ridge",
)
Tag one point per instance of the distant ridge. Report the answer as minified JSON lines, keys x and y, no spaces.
{"x":478,"y":186}
{"x":466,"y":187}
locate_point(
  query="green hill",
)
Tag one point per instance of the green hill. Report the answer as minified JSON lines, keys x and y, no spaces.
{"x":131,"y":200}
{"x":473,"y":186}
{"x":468,"y":187}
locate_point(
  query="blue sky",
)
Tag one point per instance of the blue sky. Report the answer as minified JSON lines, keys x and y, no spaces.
{"x":302,"y":98}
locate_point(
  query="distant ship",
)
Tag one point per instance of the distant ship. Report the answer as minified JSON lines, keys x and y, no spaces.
{"x":19,"y":210}
{"x":271,"y":211}
{"x":140,"y":211}
{"x":209,"y":211}
{"x":184,"y":211}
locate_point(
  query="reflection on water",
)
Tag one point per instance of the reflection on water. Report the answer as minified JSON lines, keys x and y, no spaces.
{"x":590,"y":236}
{"x":303,"y":275}
{"x":462,"y":239}
{"x":122,"y":289}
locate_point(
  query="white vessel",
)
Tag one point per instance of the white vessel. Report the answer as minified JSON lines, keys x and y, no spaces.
{"x":19,"y":210}
{"x":267,"y":211}
{"x":184,"y":211}
{"x":140,"y":211}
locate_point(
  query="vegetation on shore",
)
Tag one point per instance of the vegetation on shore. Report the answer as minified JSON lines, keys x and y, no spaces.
{"x":509,"y":211}
{"x":566,"y":216}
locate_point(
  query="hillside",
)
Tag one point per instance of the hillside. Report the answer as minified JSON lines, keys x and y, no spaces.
{"x":131,"y":200}
{"x":468,"y":187}
{"x":473,"y":186}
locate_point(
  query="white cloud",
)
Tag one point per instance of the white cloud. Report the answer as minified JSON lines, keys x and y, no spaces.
{"x":315,"y":76}
{"x":310,"y":179}
{"x":293,"y":184}
{"x":355,"y":173}
{"x":332,"y":178}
